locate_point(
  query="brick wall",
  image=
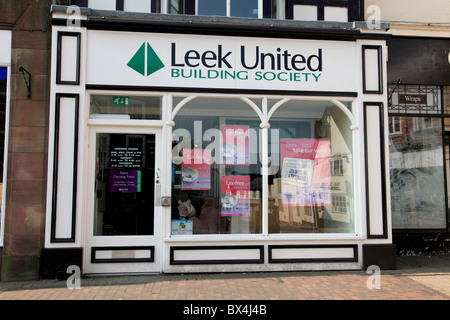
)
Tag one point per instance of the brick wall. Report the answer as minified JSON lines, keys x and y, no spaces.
{"x":27,"y":150}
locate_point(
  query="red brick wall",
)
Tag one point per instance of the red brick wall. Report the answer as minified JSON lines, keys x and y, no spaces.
{"x":28,"y":132}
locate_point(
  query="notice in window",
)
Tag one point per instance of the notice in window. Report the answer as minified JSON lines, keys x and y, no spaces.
{"x":235,"y":197}
{"x":235,"y":147}
{"x":125,"y":157}
{"x":125,"y":180}
{"x":196,"y":169}
{"x":305,"y":172}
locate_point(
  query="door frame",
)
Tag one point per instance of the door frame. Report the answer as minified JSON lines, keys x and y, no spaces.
{"x":141,"y":245}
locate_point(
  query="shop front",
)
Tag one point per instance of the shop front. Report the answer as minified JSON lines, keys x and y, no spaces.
{"x":418,"y":109}
{"x":177,"y":149}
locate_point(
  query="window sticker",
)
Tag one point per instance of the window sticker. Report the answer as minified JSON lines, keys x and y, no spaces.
{"x":235,"y":146}
{"x":196,"y":171}
{"x":305,"y":172}
{"x":235,"y":197}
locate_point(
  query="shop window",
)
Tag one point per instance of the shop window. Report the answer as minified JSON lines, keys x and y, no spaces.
{"x":311,"y":157}
{"x":125,"y":107}
{"x":417,"y":175}
{"x":217,"y":183}
{"x":416,"y":152}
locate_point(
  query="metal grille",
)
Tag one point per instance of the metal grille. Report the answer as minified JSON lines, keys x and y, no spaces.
{"x":415,"y":99}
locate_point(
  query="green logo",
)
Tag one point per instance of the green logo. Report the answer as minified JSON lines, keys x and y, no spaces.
{"x":145,"y":60}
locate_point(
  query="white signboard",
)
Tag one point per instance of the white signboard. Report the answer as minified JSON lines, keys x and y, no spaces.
{"x":198,"y":61}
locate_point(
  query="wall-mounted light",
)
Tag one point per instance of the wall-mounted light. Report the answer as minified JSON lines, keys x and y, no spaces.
{"x":25,"y":73}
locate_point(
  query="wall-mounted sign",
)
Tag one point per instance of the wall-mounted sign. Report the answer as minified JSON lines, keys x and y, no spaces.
{"x":201,"y":61}
{"x":120,"y":101}
{"x":412,"y":98}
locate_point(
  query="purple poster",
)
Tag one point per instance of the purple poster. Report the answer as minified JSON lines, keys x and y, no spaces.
{"x":125,"y":181}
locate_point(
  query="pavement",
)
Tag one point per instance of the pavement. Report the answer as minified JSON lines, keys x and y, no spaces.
{"x":416,"y":278}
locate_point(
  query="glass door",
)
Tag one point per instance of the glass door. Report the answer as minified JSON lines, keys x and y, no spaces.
{"x":123,"y":227}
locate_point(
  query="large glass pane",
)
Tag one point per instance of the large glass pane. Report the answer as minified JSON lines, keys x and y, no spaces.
{"x":417,"y":173}
{"x":310,"y":169}
{"x":125,"y":107}
{"x":216,"y":184}
{"x":124,"y":184}
{"x":212,"y":7}
{"x":248,"y":9}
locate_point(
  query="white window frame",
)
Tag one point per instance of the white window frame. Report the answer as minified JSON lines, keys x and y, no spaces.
{"x":337,"y":167}
{"x":339,"y":203}
{"x":5,"y":61}
{"x":5,"y":155}
{"x":266,"y":114}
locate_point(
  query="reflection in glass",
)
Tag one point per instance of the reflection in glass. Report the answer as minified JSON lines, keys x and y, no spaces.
{"x":247,"y":9}
{"x":417,"y":172}
{"x":311,"y":171}
{"x":212,"y":7}
{"x":216,"y":182}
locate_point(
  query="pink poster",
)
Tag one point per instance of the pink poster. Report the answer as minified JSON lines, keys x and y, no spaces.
{"x":235,"y":147}
{"x":305,"y":172}
{"x":196,"y":169}
{"x":235,"y":197}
